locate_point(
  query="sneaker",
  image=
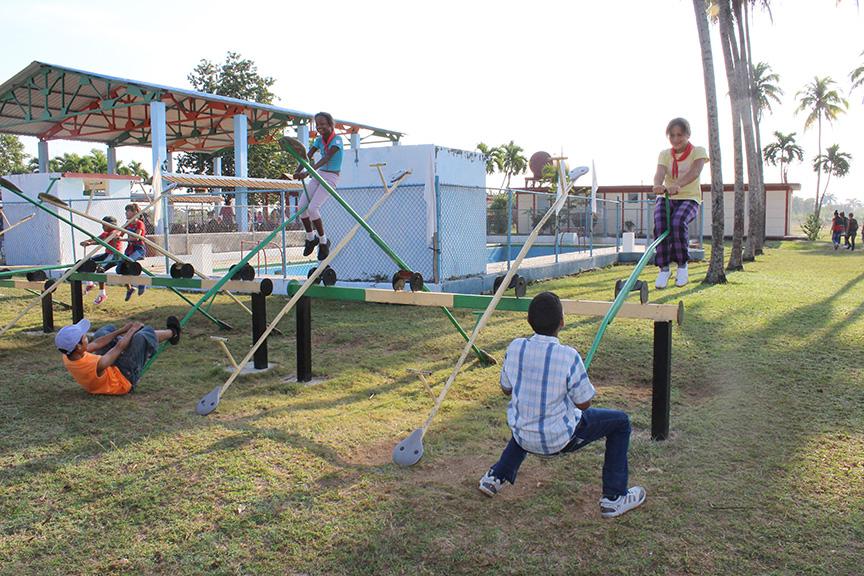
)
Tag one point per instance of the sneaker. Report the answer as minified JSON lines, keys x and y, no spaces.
{"x":324,"y":251}
{"x":89,"y":286}
{"x":310,"y":246}
{"x":490,"y":485}
{"x":129,"y":293}
{"x":173,"y":324}
{"x":681,"y":277}
{"x":662,"y":279}
{"x":141,"y":290}
{"x":100,"y":299}
{"x":610,"y":508}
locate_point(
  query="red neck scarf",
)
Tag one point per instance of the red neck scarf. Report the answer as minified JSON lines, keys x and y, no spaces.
{"x":330,"y":140}
{"x":683,"y":156}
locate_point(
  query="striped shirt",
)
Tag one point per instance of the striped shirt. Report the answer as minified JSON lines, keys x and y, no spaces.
{"x":547,"y":380}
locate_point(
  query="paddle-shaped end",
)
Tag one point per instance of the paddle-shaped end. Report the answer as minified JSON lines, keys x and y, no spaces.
{"x":209,"y":402}
{"x":293,"y":145}
{"x":51,"y":199}
{"x":409,"y":451}
{"x":7,"y":184}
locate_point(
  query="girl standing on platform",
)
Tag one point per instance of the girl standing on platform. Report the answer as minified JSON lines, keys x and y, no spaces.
{"x":678,"y":170}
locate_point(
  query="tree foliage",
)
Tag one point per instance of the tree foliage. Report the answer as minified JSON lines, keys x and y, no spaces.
{"x":13,"y":159}
{"x":783,"y":152}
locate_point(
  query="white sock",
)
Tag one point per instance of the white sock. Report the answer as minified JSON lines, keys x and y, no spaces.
{"x":310,"y":236}
{"x":102,"y":292}
{"x":682,"y":266}
{"x":323,"y":239}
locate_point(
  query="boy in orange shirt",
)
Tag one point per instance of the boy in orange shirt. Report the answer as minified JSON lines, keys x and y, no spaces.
{"x":113,"y":361}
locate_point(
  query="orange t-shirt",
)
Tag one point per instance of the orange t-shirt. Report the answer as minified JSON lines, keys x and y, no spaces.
{"x":83,"y":370}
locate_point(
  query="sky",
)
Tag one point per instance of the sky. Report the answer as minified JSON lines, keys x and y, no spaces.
{"x":592,"y":81}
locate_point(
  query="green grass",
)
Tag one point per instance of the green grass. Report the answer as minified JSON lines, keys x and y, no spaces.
{"x":763,"y":473}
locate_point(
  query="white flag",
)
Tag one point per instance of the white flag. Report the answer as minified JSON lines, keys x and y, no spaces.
{"x":593,"y":188}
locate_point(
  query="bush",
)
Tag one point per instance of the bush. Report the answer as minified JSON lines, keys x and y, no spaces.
{"x":812,"y":226}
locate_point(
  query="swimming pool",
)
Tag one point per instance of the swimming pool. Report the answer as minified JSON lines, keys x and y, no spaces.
{"x":498,"y":252}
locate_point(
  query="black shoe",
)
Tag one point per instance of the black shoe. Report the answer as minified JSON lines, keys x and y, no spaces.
{"x":324,"y":250}
{"x":310,"y":246}
{"x":173,"y":324}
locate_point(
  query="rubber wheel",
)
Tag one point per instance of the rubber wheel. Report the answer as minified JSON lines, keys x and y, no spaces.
{"x":187,"y":270}
{"x":37,"y":276}
{"x":247,"y":273}
{"x":416,"y":282}
{"x":309,"y":275}
{"x":175,"y":270}
{"x":88,"y":267}
{"x":133,"y":268}
{"x":497,"y":284}
{"x":643,"y":293}
{"x":398,"y":282}
{"x":328,"y":276}
{"x":121,"y":268}
{"x":521,"y":286}
{"x":266,"y":287}
{"x":618,"y":285}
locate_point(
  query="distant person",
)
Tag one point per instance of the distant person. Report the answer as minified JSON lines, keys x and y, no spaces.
{"x":117,"y":244}
{"x":226,"y":215}
{"x":851,"y":230}
{"x":135,"y":249}
{"x":550,"y":414}
{"x":113,"y":361}
{"x":843,"y":235}
{"x":678,"y":170}
{"x":328,"y":166}
{"x":836,"y":229}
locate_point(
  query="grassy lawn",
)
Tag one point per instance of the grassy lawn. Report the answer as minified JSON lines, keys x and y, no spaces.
{"x":763,"y":473}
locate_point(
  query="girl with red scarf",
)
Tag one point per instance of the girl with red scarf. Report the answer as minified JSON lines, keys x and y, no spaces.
{"x":678,"y":170}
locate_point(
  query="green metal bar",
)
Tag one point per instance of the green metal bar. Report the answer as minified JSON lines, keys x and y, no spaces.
{"x":39,"y":205}
{"x":19,"y":271}
{"x":628,"y":285}
{"x":484,"y":357}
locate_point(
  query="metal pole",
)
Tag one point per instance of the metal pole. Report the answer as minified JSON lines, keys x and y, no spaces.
{"x":509,"y":223}
{"x":259,"y":325}
{"x":438,"y":273}
{"x":77,"y":301}
{"x":48,"y":309}
{"x":304,"y":339}
{"x":662,"y":386}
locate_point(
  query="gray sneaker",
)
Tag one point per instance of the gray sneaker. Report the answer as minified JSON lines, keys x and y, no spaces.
{"x":610,"y":508}
{"x":490,"y":485}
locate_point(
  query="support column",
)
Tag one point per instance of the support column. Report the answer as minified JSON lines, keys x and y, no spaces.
{"x":48,"y":308}
{"x":112,"y":160}
{"x":159,"y":138}
{"x":241,"y":170}
{"x":77,"y":301}
{"x":43,"y":156}
{"x":303,"y":135}
{"x":304,"y":339}
{"x":355,"y":141}
{"x":259,"y":326}
{"x":217,"y":171}
{"x":662,"y":386}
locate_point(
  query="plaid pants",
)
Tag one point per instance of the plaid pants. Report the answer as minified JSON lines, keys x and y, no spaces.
{"x":673,"y":248}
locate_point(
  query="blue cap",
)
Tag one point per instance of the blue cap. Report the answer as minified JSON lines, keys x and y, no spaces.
{"x":69,"y":336}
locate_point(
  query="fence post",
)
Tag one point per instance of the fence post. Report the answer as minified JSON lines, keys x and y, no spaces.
{"x":437,"y":251}
{"x":509,"y":223}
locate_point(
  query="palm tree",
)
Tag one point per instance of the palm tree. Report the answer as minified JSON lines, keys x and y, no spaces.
{"x":820,"y":101}
{"x":857,"y":77}
{"x":493,"y":158}
{"x":783,"y":152}
{"x":716,"y":274}
{"x":834,"y":163}
{"x":512,"y":162}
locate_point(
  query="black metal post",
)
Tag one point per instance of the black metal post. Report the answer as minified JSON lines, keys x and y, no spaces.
{"x":304,"y":339}
{"x":48,"y":308}
{"x":662,"y":387}
{"x":259,"y":326}
{"x":77,"y":301}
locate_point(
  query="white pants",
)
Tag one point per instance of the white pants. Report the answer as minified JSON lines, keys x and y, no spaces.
{"x":315,"y":194}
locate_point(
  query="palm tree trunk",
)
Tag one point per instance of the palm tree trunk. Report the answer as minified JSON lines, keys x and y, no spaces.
{"x":727,"y":40}
{"x":716,"y":274}
{"x":759,"y":165}
{"x":818,"y":207}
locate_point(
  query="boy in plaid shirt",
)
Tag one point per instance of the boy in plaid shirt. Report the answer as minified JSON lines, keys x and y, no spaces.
{"x":550,"y":414}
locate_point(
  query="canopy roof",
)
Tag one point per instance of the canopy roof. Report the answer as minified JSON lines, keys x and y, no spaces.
{"x":56,"y":103}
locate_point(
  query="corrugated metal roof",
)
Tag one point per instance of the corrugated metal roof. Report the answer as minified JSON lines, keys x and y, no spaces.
{"x":58,"y":103}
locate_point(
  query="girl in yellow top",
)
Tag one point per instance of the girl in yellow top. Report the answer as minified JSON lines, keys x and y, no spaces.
{"x":678,"y":170}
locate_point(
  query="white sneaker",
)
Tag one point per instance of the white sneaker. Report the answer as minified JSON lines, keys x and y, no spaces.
{"x":681,"y":277}
{"x":612,"y":508}
{"x":490,"y":485}
{"x":662,"y":279}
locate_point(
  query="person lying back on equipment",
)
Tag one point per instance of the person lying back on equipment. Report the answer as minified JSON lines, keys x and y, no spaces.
{"x":113,"y":361}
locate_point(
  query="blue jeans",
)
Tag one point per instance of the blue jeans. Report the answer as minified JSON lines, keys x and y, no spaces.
{"x":596,"y":423}
{"x":135,"y":251}
{"x":132,"y":360}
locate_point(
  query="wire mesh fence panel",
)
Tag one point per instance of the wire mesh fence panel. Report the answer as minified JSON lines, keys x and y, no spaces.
{"x":461,"y":226}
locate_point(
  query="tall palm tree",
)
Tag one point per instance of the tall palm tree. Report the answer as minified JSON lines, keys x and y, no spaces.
{"x":765,"y":89}
{"x":493,"y":157}
{"x":512,"y":162}
{"x":857,"y":77}
{"x":833,"y":163}
{"x":716,"y":274}
{"x":783,"y":152}
{"x":820,"y":101}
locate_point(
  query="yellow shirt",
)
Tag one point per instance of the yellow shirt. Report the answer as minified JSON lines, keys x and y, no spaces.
{"x":693,"y":190}
{"x":83,"y":370}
